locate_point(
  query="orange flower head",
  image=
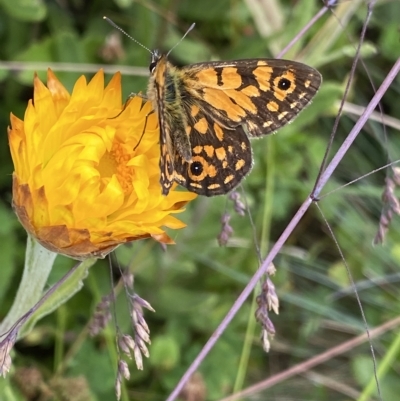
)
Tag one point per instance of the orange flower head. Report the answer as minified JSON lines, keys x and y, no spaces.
{"x":86,"y":173}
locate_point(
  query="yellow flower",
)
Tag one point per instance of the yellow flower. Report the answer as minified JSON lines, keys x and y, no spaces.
{"x":86,"y":173}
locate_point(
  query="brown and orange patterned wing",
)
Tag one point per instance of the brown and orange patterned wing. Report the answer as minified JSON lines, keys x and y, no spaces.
{"x":226,"y":103}
{"x":261,"y":94}
{"x":221,"y":157}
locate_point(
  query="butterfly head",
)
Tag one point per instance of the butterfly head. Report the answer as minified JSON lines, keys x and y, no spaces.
{"x":155,"y":58}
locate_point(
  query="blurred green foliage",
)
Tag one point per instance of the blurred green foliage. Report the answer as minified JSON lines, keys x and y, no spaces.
{"x":194,"y":283}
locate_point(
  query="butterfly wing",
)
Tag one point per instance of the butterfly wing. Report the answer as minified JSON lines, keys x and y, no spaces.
{"x":228,"y":102}
{"x":221,"y":157}
{"x":221,"y":105}
{"x":156,"y":93}
{"x":262,"y":94}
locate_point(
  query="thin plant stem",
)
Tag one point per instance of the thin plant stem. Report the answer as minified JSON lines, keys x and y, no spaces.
{"x":310,"y":23}
{"x":357,"y":128}
{"x":353,"y":285}
{"x":390,"y":357}
{"x":314,"y":361}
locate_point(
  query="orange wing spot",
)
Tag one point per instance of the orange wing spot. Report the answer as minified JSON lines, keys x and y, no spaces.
{"x":261,"y":62}
{"x":203,"y":174}
{"x":197,"y":149}
{"x":302,"y":95}
{"x":242,"y":100}
{"x":281,"y":94}
{"x":230,"y":78}
{"x":209,"y":150}
{"x":230,"y":149}
{"x":213,"y":186}
{"x":224,"y":164}
{"x":207,"y":77}
{"x":201,"y":126}
{"x":267,"y":124}
{"x":211,"y":170}
{"x":195,"y":185}
{"x":273,"y":106}
{"x":263,"y":77}
{"x":218,"y":132}
{"x":282,"y":115}
{"x":307,"y":83}
{"x":250,"y":90}
{"x":291,"y":76}
{"x":194,"y":110}
{"x":208,"y":170}
{"x":221,"y":101}
{"x":220,"y":153}
{"x":243,"y":145}
{"x":239,"y":164}
{"x":293,"y":105}
{"x":229,"y":179}
{"x":188,"y":129}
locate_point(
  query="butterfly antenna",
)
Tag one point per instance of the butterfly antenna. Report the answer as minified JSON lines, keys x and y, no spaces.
{"x":112,"y":23}
{"x":183,"y":37}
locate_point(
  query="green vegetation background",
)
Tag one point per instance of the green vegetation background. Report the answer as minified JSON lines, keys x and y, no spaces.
{"x":194,"y":283}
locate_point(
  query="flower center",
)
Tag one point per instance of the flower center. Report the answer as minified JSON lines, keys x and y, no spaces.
{"x":115,"y":162}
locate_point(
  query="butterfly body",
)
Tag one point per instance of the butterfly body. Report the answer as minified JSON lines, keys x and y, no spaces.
{"x":208,"y":111}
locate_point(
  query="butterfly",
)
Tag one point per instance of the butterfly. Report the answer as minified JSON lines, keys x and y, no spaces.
{"x":208,"y":111}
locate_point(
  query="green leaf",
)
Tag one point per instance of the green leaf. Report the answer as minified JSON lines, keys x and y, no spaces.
{"x":164,"y":352}
{"x":25,"y":10}
{"x":63,"y":293}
